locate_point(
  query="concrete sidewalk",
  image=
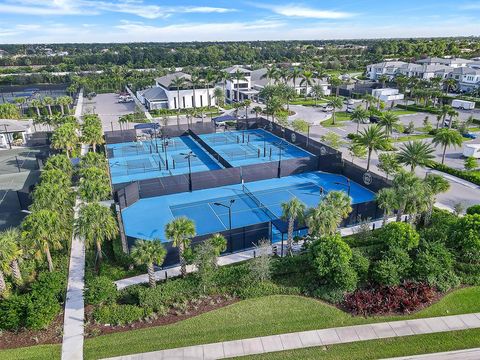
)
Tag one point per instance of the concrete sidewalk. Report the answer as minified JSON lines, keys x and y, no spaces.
{"x":223,"y":260}
{"x":313,"y":338}
{"x":467,"y":354}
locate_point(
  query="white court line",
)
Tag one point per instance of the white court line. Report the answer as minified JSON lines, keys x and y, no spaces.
{"x":226,"y":228}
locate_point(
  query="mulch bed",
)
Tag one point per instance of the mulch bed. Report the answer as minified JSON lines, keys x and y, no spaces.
{"x":23,"y":338}
{"x":211,"y":303}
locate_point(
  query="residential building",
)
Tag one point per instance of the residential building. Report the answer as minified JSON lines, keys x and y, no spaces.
{"x":165,"y":95}
{"x":468,"y":79}
{"x":387,"y":94}
{"x":452,"y":62}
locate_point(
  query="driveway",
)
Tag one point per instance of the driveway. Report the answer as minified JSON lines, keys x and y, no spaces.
{"x":108,"y":109}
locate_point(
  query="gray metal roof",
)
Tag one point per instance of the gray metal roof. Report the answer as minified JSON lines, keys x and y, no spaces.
{"x":166,"y":80}
{"x":155,"y":93}
{"x":234,"y":68}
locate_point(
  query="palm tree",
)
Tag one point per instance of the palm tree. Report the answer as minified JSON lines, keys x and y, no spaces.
{"x":407,"y":187}
{"x":224,"y":76}
{"x":317,"y":92}
{"x":272,"y":73}
{"x":320,"y":71}
{"x":179,"y":231}
{"x":258,"y":110}
{"x":93,"y":135}
{"x":291,"y":211}
{"x":48,"y":101}
{"x":36,"y":104}
{"x":369,"y":100}
{"x":322,"y":220}
{"x":447,"y":137}
{"x":340,"y":201}
{"x":452,"y":113}
{"x":387,"y":201}
{"x":246,"y":104}
{"x":373,"y":138}
{"x":416,"y":153}
{"x":148,"y":253}
{"x":238,"y":76}
{"x":59,"y":162}
{"x":65,"y":138}
{"x":383,"y":79}
{"x":435,"y":185}
{"x":359,"y":115}
{"x":96,"y":224}
{"x":295,"y":73}
{"x":195,"y":80}
{"x":335,"y":82}
{"x":219,"y":95}
{"x":444,"y":110}
{"x":178,"y":82}
{"x":449,"y":84}
{"x":307,"y":80}
{"x":388,"y":120}
{"x":209,"y":80}
{"x":20,"y":101}
{"x":10,"y":252}
{"x":335,"y":103}
{"x":62,"y":101}
{"x":41,"y":230}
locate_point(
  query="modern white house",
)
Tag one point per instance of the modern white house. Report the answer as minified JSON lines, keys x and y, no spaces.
{"x":253,"y":81}
{"x":466,"y":72}
{"x":165,"y":95}
{"x":387,"y":94}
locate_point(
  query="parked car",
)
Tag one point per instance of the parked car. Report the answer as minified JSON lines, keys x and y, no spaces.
{"x":327,"y":108}
{"x":470,"y":136}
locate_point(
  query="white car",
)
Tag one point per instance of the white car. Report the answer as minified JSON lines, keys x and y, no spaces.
{"x":327,"y":108}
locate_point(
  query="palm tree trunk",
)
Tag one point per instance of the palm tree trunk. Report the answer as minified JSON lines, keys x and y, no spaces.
{"x":400,"y":211}
{"x":385,"y":218}
{"x":178,"y":105}
{"x":333,"y":116}
{"x":94,"y":147}
{"x":49,"y":110}
{"x":17,"y":275}
{"x":151,"y":275}
{"x":61,"y":109}
{"x":368,"y":160}
{"x":291,"y":222}
{"x":99,"y":251}
{"x":443,"y":154}
{"x":3,"y":284}
{"x":183,"y":263}
{"x":38,"y":111}
{"x":49,"y":258}
{"x":358,"y":126}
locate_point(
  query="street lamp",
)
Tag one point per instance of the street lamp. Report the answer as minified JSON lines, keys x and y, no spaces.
{"x":229,"y":207}
{"x":6,"y":136}
{"x":165,"y":139}
{"x":347,"y":185}
{"x":189,"y":156}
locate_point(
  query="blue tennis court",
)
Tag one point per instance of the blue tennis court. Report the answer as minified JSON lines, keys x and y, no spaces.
{"x":255,"y":203}
{"x":150,"y":159}
{"x":252,"y":147}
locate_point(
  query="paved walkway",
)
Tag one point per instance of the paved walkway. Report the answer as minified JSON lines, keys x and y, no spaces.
{"x":224,"y":260}
{"x":72,"y":345}
{"x":467,"y":354}
{"x":306,"y":339}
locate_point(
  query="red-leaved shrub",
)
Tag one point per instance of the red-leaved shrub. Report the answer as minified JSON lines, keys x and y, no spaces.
{"x":404,"y":298}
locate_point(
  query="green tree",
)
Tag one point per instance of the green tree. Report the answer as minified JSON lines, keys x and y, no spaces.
{"x":393,"y":267}
{"x":94,"y":185}
{"x":387,"y":201}
{"x":37,"y":104}
{"x":59,"y":162}
{"x":41,"y":232}
{"x":331,"y":258}
{"x":470,"y":163}
{"x":149,"y":252}
{"x":317,"y":92}
{"x":416,"y":153}
{"x":48,"y":101}
{"x":358,"y":116}
{"x":205,"y":260}
{"x":358,"y":151}
{"x":373,"y":138}
{"x":399,"y":234}
{"x":238,"y":76}
{"x":96,"y":224}
{"x":465,"y":239}
{"x":307,"y":80}
{"x":388,"y":163}
{"x":258,"y":110}
{"x":10,"y":252}
{"x":179,"y":231}
{"x":388,"y":120}
{"x":408,"y":188}
{"x":335,"y":103}
{"x":300,"y":125}
{"x":219,"y":95}
{"x":446,"y":138}
{"x":292,"y":211}
{"x":435,"y":184}
{"x":65,"y":138}
{"x":333,"y":140}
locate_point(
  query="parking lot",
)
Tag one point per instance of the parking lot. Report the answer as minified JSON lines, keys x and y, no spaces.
{"x":108,"y":108}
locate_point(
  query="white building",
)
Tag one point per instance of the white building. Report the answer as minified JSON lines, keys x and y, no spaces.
{"x":165,"y":95}
{"x":253,"y":81}
{"x":387,"y":94}
{"x":468,"y":79}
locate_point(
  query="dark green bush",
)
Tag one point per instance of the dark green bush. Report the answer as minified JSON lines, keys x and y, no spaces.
{"x":42,"y":309}
{"x":168,"y":293}
{"x":361,"y":265}
{"x":13,"y":312}
{"x":473,"y":177}
{"x":469,"y":273}
{"x":465,"y":239}
{"x":392,"y":268}
{"x":100,"y":290}
{"x":119,"y":314}
{"x":399,"y":234}
{"x":475,"y":209}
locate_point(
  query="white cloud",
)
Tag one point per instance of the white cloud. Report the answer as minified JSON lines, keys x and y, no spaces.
{"x":294,"y":10}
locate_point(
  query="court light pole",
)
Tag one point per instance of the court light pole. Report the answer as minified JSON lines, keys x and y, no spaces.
{"x":281,"y":146}
{"x":347,"y":185}
{"x":229,"y":207}
{"x":189,"y":156}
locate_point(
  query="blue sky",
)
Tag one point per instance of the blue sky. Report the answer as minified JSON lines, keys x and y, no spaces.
{"x":37,"y":21}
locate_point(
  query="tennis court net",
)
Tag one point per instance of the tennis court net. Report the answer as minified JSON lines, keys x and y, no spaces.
{"x":270,"y":214}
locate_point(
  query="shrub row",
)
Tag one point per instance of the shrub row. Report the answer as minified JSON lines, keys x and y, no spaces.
{"x":115,"y":314}
{"x":404,"y":298}
{"x":428,"y":109}
{"x":469,"y":176}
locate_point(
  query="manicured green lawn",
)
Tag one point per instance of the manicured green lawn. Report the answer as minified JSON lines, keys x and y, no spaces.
{"x":340,"y":117}
{"x":413,"y":137}
{"x":307,"y":102}
{"x":255,"y":317}
{"x":376,"y":349}
{"x":401,"y":112}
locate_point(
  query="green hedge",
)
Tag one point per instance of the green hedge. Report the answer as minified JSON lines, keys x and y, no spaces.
{"x":428,"y":109}
{"x":119,"y":314}
{"x":473,"y":177}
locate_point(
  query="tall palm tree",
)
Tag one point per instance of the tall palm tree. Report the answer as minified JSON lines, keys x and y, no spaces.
{"x":335,"y":82}
{"x":317,"y":92}
{"x":219,"y":95}
{"x":451,"y":113}
{"x":238,"y":76}
{"x":92,"y":134}
{"x":320,"y":72}
{"x":295,"y":73}
{"x":373,"y":138}
{"x":444,"y":110}
{"x":292,"y":211}
{"x":388,"y":120}
{"x":59,"y":162}
{"x":41,"y":230}
{"x":447,"y":137}
{"x":179,"y":231}
{"x":449,"y":84}
{"x":63,"y":101}
{"x":246,"y":104}
{"x":96,"y":224}
{"x":387,"y":201}
{"x":10,"y":252}
{"x":383,"y":79}
{"x":195,"y":80}
{"x":369,"y":100}
{"x":359,"y":115}
{"x":435,"y":185}
{"x":416,"y":153}
{"x":178,"y":82}
{"x":37,"y":104}
{"x":49,"y":101}
{"x":407,"y":187}
{"x":322,"y":220}
{"x":148,"y":253}
{"x":307,"y":80}
{"x":335,"y":103}
{"x":272,"y":73}
{"x":224,"y":76}
{"x":258,"y":110}
{"x":65,"y":138}
{"x":209,"y":80}
{"x":340,"y":201}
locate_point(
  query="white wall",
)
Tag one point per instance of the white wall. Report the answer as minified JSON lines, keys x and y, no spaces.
{"x":201,"y":98}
